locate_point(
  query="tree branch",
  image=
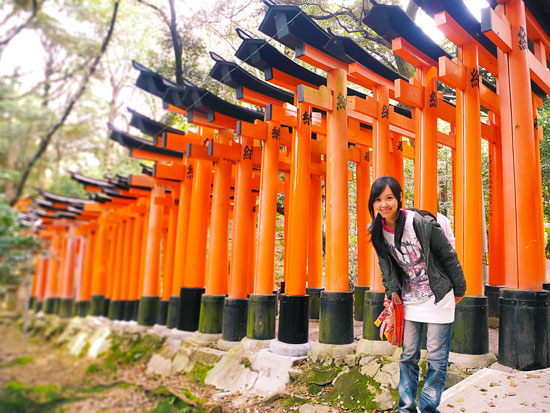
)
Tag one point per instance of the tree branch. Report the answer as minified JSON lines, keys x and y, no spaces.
{"x":176,"y":42}
{"x":46,"y":140}
{"x":17,"y":30}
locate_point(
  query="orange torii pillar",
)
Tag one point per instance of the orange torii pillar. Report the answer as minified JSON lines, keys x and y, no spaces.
{"x":293,"y":316}
{"x":99,"y":274}
{"x":315,"y":245}
{"x":50,"y":297}
{"x":150,"y":295}
{"x":511,"y":29}
{"x":364,"y":246}
{"x":127,"y":258}
{"x":212,"y":301}
{"x":469,"y":193}
{"x":169,"y":248}
{"x":116,"y":305}
{"x":67,"y":285}
{"x":114,"y":234}
{"x":185,"y":190}
{"x":235,"y":308}
{"x":522,"y":207}
{"x":195,"y":259}
{"x":336,"y":320}
{"x":262,"y":305}
{"x":41,"y":282}
{"x":139,"y":234}
{"x":83,"y":306}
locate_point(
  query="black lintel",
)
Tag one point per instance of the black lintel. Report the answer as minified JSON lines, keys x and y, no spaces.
{"x":151,"y":81}
{"x":114,"y":193}
{"x":146,"y":170}
{"x":205,"y":101}
{"x":86,"y":180}
{"x":264,"y":56}
{"x":231,"y":74}
{"x":392,"y":22}
{"x":149,"y":126}
{"x":292,"y":26}
{"x":346,"y":48}
{"x":460,"y":13}
{"x":51,"y":196}
{"x":131,"y":142}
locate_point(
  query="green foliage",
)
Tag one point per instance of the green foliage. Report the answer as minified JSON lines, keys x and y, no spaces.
{"x":544,"y":122}
{"x":18,"y":361}
{"x":16,"y":397}
{"x":199,"y":372}
{"x":16,"y":247}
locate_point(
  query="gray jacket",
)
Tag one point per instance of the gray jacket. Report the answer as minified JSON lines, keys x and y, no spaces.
{"x":444,"y":270}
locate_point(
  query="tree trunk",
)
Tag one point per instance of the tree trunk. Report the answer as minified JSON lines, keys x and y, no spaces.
{"x":46,"y":140}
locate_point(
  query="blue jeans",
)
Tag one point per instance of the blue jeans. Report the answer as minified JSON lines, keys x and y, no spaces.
{"x":437,"y":344}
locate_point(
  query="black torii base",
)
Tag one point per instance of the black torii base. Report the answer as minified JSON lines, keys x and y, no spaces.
{"x":262,"y":310}
{"x":336,"y":321}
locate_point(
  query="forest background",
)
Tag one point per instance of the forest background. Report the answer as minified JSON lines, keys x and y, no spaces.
{"x":66,"y":71}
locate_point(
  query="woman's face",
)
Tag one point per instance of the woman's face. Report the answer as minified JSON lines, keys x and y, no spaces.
{"x":386,"y":205}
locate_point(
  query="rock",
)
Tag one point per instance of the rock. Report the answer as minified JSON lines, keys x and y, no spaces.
{"x":388,"y":374}
{"x":370,"y":369}
{"x":373,"y":347}
{"x":328,"y":354}
{"x":317,"y":408}
{"x":272,"y":372}
{"x":350,"y":360}
{"x":231,"y":373}
{"x":159,"y":365}
{"x":384,"y":400}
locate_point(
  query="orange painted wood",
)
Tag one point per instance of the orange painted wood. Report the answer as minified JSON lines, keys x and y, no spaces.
{"x":99,"y":282}
{"x":218,"y":251}
{"x":315,"y":241}
{"x":456,"y":34}
{"x":363,"y":218}
{"x":469,"y":212}
{"x":411,"y":95}
{"x":284,"y":80}
{"x":127,"y":258}
{"x":381,"y":134}
{"x":411,"y":54}
{"x":496,"y":217}
{"x":257,"y":99}
{"x":364,"y":77}
{"x":69,"y":264}
{"x":135,"y":273}
{"x":526,"y":168}
{"x":320,"y":98}
{"x":195,"y":260}
{"x":425,"y":190}
{"x":251,"y":245}
{"x":295,"y":281}
{"x":186,"y":188}
{"x":337,"y":187}
{"x":151,"y":286}
{"x":240,"y":250}
{"x":499,"y":33}
{"x":265,"y":264}
{"x":320,"y":59}
{"x":452,"y":73}
{"x":170,"y":249}
{"x":118,"y":271}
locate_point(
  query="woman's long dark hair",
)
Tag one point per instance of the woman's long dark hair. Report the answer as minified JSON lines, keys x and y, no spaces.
{"x":376,"y":230}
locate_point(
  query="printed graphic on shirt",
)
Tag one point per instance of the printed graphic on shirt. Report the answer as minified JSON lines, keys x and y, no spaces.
{"x":416,"y":286}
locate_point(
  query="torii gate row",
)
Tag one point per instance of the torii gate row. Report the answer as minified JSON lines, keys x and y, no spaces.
{"x":512,"y":42}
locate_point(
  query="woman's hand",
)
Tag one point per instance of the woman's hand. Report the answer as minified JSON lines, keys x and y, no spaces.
{"x":457,"y":299}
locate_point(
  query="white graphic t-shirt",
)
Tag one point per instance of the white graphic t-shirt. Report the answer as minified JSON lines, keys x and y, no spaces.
{"x":418,"y":298}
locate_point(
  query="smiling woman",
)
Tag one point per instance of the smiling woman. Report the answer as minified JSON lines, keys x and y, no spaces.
{"x":420,"y":267}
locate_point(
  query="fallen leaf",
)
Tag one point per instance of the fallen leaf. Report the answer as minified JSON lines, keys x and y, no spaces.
{"x":460,"y":399}
{"x":512,"y":393}
{"x":450,"y":405}
{"x":483,"y":390}
{"x":491,"y":404}
{"x":524,"y":404}
{"x":493,"y":384}
{"x":513,"y":383}
{"x":463,"y":409}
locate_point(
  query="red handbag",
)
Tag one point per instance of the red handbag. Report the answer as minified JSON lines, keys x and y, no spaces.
{"x":391,"y":320}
